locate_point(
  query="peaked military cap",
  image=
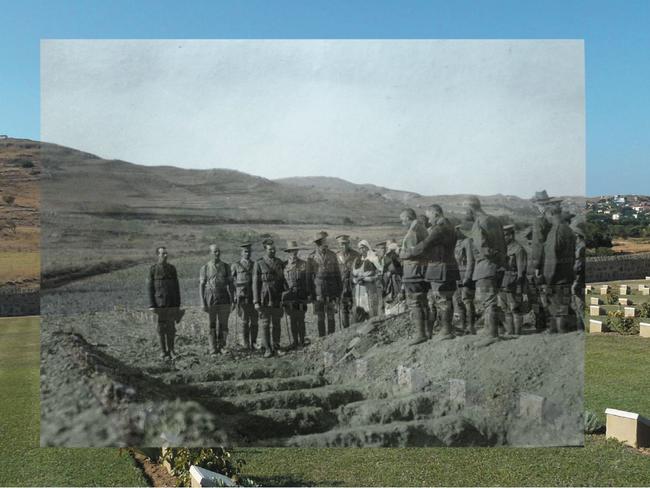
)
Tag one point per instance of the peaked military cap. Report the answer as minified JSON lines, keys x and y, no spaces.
{"x":320,"y":236}
{"x":540,"y":197}
{"x":509,"y":228}
{"x":267,"y":242}
{"x":246,"y":244}
{"x":381,"y":245}
{"x":343,"y":238}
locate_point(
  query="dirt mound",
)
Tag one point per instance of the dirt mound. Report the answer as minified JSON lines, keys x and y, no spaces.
{"x":362,"y":386}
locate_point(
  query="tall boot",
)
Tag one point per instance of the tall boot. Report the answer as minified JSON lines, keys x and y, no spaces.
{"x":171,"y":335}
{"x":446,"y":315}
{"x":509,"y":324}
{"x":518,"y":321}
{"x":212,"y":341}
{"x":163,"y":344}
{"x":276,"y":331}
{"x":254,"y":342}
{"x":418,"y":316}
{"x":223,"y":341}
{"x":331,"y":322}
{"x":462,"y":318}
{"x":321,"y":324}
{"x":471,"y":316}
{"x":266,"y":337}
{"x":492,"y":323}
{"x":295,"y":330}
{"x":345,"y":317}
{"x":243,"y":336}
{"x":431,"y":318}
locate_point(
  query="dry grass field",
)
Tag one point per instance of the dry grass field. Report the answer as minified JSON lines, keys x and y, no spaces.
{"x":19,"y":267}
{"x":632,"y":245}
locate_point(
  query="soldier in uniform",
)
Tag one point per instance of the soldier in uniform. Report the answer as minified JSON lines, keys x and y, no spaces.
{"x":441,"y":269}
{"x":242,"y":277}
{"x":489,"y":246}
{"x":268,"y":286}
{"x":327,"y":284}
{"x":541,"y":227}
{"x":578,"y":287}
{"x":558,"y":272}
{"x":216,"y":291}
{"x":514,"y":282}
{"x":414,"y":268}
{"x":346,"y":257}
{"x":464,"y":295}
{"x":296,"y":296}
{"x":165,"y":300}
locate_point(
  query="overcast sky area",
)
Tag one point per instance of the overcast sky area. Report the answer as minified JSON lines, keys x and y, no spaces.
{"x":434,"y":117}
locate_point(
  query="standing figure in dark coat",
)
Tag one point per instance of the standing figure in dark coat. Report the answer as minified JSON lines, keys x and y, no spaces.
{"x":437,"y":248}
{"x":268,"y":286}
{"x":296,"y":297}
{"x":346,"y":258}
{"x":414,"y":268}
{"x":327,"y":285}
{"x":559,"y":261}
{"x":391,"y":273}
{"x":242,"y":277}
{"x":489,"y":246}
{"x":578,"y":287}
{"x":464,"y":295}
{"x":216,"y":291}
{"x":164,"y":299}
{"x":514,"y":282}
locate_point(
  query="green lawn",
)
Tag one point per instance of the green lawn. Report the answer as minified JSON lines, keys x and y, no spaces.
{"x":616,"y":376}
{"x":22,"y":462}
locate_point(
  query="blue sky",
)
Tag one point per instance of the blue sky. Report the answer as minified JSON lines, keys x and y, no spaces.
{"x":616,"y":34}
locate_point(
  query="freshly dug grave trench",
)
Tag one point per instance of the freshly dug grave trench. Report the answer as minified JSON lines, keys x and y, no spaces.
{"x":362,"y":386}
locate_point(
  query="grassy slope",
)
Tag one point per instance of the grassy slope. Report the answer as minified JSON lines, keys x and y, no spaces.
{"x":22,"y":463}
{"x":599,"y":463}
{"x":615,"y":376}
{"x":19,"y":265}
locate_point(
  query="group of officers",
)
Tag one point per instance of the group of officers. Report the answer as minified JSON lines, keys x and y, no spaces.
{"x":476,"y":268}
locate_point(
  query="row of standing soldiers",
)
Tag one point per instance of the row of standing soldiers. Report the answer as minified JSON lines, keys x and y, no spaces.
{"x":477,"y":268}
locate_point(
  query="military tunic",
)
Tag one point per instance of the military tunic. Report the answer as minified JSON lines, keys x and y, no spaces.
{"x":215,"y":286}
{"x":327,"y":287}
{"x":242,"y":277}
{"x":268,"y":287}
{"x":346,"y":261}
{"x":296,"y":296}
{"x":165,"y":298}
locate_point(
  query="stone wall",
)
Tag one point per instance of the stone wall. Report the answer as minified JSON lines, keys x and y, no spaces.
{"x":18,"y":303}
{"x":612,"y":268}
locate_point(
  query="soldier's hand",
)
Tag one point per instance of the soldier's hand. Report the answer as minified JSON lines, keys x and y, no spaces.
{"x":257,"y":306}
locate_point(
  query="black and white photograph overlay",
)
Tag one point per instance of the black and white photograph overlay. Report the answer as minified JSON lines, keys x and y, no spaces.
{"x":312,"y":243}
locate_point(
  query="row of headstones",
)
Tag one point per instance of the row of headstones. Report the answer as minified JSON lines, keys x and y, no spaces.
{"x":596,"y":327}
{"x":411,"y":380}
{"x":595,"y":302}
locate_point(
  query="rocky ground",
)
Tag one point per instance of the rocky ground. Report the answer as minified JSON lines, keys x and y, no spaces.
{"x":104,"y":385}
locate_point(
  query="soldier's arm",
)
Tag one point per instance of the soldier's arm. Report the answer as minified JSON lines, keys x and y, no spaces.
{"x":230,"y":283}
{"x":256,"y":283}
{"x":202,"y":287}
{"x":469,"y":251}
{"x":521,"y":258}
{"x":176,"y":287}
{"x":151,"y":292}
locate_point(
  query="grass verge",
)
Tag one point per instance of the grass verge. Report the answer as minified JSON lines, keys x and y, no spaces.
{"x":22,"y":462}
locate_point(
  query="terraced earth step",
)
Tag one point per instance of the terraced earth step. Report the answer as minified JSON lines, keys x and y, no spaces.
{"x":383,"y":411}
{"x":259,"y":385}
{"x":327,"y":397}
{"x":283,"y":422}
{"x":275,"y":370}
{"x":445,"y":431}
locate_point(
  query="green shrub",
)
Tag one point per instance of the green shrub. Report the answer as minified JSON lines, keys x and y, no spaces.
{"x":644,"y":310}
{"x":617,"y":322}
{"x":612,"y":298}
{"x":217,"y":459}
{"x":593,"y":425}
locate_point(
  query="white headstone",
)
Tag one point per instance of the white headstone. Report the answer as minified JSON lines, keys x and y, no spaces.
{"x":409,"y":378}
{"x":645,"y":291}
{"x":328,"y":359}
{"x":630,"y":311}
{"x":588,"y":288}
{"x":641,"y":286}
{"x":361,"y":368}
{"x":595,"y":310}
{"x":624,"y":290}
{"x":595,"y":301}
{"x":604,"y":290}
{"x":204,"y":477}
{"x":644,"y":329}
{"x":457,"y":391}
{"x":595,"y":326}
{"x":624,"y":301}
{"x":531,"y":406}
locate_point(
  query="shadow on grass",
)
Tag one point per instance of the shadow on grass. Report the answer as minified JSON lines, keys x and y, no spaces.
{"x":291,"y":480}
